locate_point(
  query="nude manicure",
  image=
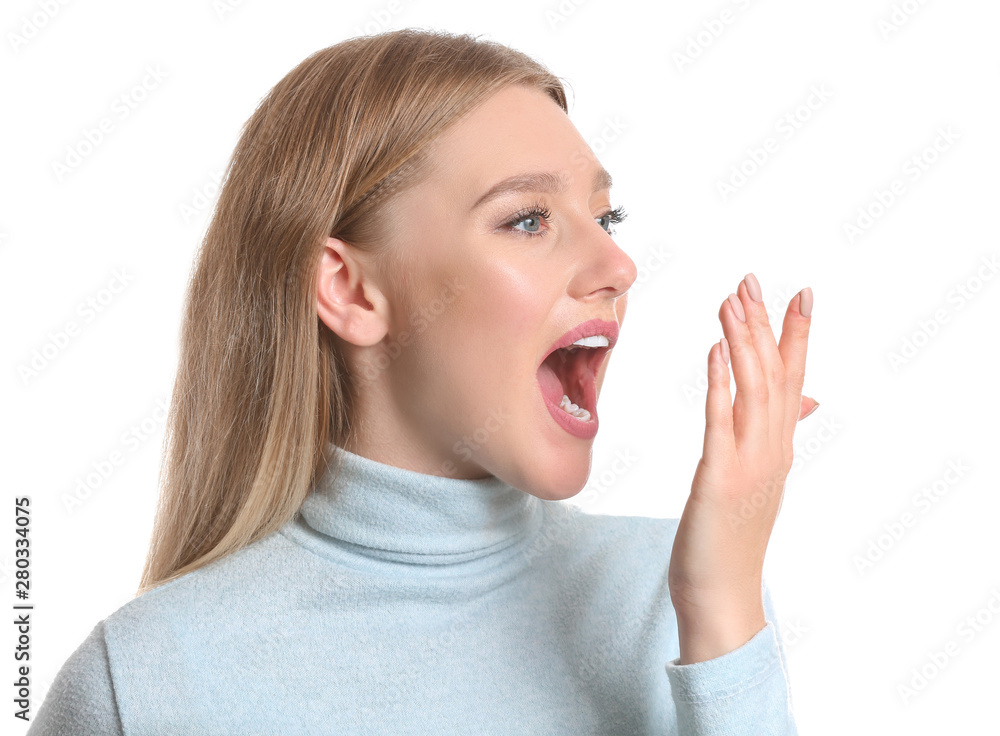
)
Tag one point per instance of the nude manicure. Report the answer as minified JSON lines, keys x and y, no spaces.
{"x":753,"y":287}
{"x":737,"y":307}
{"x":806,"y":301}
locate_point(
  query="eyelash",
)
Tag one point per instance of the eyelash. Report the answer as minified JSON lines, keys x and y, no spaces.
{"x":617,"y":215}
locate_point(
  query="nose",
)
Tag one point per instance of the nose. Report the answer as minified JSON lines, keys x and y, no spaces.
{"x":605,"y":269}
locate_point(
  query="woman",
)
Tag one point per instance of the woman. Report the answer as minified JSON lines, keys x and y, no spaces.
{"x":394,"y":341}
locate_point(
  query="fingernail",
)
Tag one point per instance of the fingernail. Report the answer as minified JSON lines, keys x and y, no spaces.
{"x":725,"y":349}
{"x":806,"y":301}
{"x":753,"y":287}
{"x":737,"y":307}
{"x":811,"y":410}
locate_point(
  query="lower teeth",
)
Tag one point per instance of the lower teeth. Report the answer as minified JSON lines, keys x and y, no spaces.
{"x":570,"y":408}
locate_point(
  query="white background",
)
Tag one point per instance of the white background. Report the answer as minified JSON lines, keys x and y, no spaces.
{"x":670,"y":131}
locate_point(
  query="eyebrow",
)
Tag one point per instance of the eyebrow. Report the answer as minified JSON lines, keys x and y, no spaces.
{"x":538,"y":181}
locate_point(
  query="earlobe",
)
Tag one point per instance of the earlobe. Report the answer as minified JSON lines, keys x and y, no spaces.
{"x":348,"y":300}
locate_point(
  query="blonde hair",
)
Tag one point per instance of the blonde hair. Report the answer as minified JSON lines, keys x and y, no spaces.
{"x":261,"y":390}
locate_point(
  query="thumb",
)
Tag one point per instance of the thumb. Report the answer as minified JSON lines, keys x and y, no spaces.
{"x":807,"y":407}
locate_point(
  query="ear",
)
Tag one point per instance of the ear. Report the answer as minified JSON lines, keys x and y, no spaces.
{"x":348,"y":299}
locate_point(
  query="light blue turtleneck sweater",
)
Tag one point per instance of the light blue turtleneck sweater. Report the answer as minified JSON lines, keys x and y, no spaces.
{"x":402,"y":603}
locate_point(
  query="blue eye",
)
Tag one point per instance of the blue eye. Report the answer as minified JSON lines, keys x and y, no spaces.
{"x":613,"y":217}
{"x":535,"y":214}
{"x":538,"y":222}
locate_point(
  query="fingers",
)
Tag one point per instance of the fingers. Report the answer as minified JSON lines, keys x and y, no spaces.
{"x":719,"y":441}
{"x":750,"y":416}
{"x":792,"y":348}
{"x":764,"y":343}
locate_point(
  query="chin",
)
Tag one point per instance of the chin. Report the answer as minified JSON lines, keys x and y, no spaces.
{"x":561,"y":480}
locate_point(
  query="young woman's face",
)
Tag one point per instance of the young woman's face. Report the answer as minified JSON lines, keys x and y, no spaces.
{"x":486,"y":289}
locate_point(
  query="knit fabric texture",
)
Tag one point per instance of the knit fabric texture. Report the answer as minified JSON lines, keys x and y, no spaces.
{"x":406,"y":603}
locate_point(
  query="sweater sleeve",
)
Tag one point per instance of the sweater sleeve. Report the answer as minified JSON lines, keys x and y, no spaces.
{"x":744,"y":691}
{"x":81,"y":700}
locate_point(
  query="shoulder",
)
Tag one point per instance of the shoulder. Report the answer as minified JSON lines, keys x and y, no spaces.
{"x":637,"y":548}
{"x":81,"y":699}
{"x":242,"y":574}
{"x":156,"y":637}
{"x":160,"y":624}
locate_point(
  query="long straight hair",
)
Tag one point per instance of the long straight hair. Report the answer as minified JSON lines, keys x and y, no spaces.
{"x":262,"y":390}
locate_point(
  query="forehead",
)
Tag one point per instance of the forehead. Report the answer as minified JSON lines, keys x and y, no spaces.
{"x":516,"y":130}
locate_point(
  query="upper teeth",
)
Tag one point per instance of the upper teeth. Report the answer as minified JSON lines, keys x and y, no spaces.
{"x":594,"y":341}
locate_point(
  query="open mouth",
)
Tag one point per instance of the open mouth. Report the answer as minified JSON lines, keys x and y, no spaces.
{"x":567,"y":376}
{"x":570,"y":376}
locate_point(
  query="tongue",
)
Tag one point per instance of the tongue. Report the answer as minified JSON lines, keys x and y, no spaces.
{"x":551,"y":386}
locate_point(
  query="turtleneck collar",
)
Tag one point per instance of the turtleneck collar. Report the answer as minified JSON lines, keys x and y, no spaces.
{"x":393,"y":513}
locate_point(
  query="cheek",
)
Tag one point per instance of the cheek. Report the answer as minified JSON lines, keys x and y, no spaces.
{"x":513,"y":302}
{"x":494,"y":331}
{"x":500,"y":304}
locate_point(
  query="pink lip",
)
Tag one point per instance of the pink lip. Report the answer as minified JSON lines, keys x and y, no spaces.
{"x":584,"y":329}
{"x":583,"y":429}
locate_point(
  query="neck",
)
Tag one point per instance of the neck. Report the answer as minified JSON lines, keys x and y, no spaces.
{"x":393,"y":513}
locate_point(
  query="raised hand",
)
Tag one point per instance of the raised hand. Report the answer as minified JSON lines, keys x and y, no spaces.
{"x":716,"y":566}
